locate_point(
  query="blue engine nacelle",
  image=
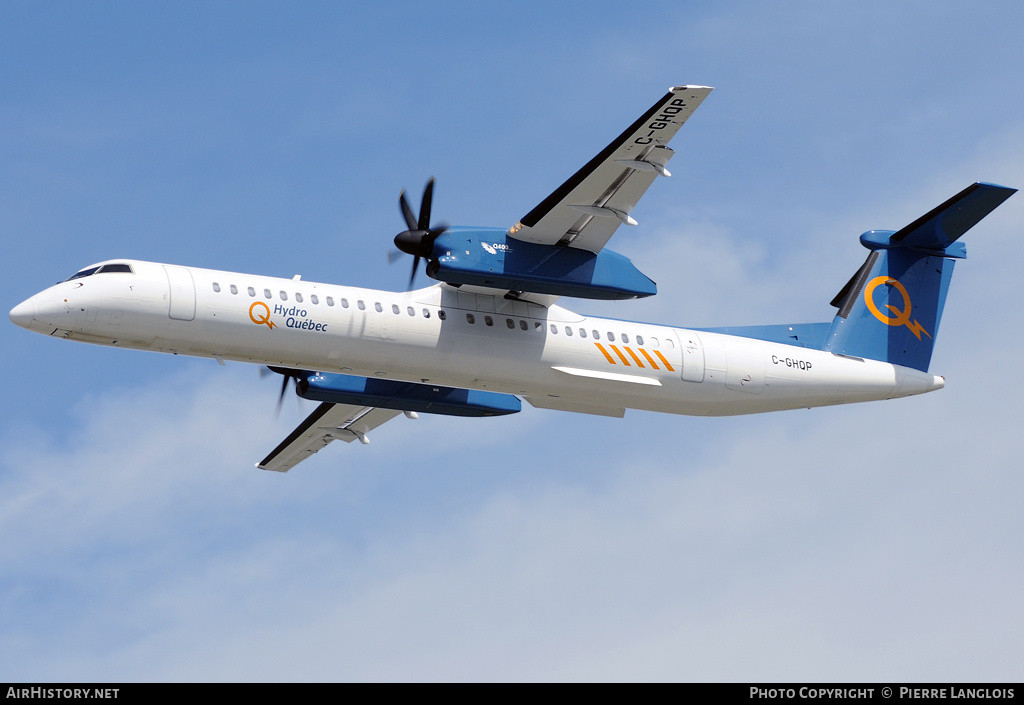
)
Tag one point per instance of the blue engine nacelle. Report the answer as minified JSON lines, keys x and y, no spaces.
{"x":488,"y":257}
{"x":405,"y":396}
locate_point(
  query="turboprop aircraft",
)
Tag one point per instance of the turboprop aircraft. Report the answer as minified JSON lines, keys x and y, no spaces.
{"x":490,"y":332}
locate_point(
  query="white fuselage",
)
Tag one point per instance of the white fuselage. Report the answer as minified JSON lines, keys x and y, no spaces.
{"x":553,"y":357}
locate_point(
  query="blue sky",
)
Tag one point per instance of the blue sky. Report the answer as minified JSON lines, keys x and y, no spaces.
{"x":875,"y":542}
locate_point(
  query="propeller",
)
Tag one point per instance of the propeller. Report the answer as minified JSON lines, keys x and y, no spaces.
{"x":418,"y":240}
{"x":288,"y":374}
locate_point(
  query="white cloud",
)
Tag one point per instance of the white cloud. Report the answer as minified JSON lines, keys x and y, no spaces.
{"x":872,"y":542}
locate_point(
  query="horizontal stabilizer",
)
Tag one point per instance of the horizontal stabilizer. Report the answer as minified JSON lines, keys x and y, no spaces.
{"x":942,"y":226}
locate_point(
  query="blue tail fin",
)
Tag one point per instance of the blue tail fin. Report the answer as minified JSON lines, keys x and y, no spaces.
{"x":891,"y":308}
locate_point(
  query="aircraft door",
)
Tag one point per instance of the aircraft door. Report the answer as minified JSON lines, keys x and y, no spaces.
{"x":692,"y":355}
{"x":182,"y":299}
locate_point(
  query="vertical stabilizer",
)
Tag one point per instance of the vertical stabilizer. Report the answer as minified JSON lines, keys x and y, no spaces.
{"x":891,"y":308}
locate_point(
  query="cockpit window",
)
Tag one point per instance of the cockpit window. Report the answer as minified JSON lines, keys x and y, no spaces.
{"x":108,"y":268}
{"x":102,"y":269}
{"x":84,"y":273}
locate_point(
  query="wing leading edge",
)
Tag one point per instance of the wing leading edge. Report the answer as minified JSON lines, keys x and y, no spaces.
{"x":585,"y":211}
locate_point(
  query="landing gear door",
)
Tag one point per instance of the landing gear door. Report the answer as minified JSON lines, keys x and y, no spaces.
{"x":693,"y":355}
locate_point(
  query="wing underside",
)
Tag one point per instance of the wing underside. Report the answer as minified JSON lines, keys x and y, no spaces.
{"x":328,"y":422}
{"x":585,"y":211}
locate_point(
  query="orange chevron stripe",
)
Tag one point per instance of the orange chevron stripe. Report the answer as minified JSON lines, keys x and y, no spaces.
{"x":662,"y":358}
{"x":633,"y":355}
{"x":649,"y":359}
{"x":605,"y":353}
{"x":621,"y":356}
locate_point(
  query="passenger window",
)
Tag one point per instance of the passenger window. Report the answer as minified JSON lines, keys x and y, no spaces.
{"x":597,"y":335}
{"x":330,"y":301}
{"x":583,"y":332}
{"x":441,"y":314}
{"x":625,"y":338}
{"x":267,"y":294}
{"x":426,"y":313}
{"x":554,"y":329}
{"x":394,"y":309}
{"x":611,"y":337}
{"x":252,"y":292}
{"x":537,"y":325}
{"x":470,"y":318}
{"x":360,"y":305}
{"x":344,"y":302}
{"x":377,"y":307}
{"x":284,"y":295}
{"x":234,"y":289}
{"x":216,"y":286}
{"x":639,"y":340}
{"x":568,"y":331}
{"x":412,"y":312}
{"x":298,"y":297}
{"x":522,"y":324}
{"x":488,"y":320}
{"x":510,"y":323}
{"x":314,"y":299}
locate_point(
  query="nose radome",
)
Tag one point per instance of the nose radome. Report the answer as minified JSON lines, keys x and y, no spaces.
{"x":22,"y":313}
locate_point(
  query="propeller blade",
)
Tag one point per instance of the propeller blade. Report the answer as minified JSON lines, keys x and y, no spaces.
{"x":394,"y":255}
{"x":412,"y":277}
{"x":428,"y":197}
{"x":288,"y":374}
{"x":280,"y":398}
{"x":410,"y":217}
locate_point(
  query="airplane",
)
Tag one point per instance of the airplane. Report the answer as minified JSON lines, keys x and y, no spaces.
{"x":490,"y":333}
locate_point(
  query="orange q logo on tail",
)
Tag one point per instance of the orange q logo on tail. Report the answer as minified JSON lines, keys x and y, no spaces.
{"x":264,"y":318}
{"x":902,"y":318}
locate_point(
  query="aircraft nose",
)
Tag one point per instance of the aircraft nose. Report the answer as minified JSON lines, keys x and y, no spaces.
{"x":23,"y":313}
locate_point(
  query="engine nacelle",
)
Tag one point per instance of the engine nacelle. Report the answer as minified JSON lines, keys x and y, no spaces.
{"x":405,"y":396}
{"x":488,"y":257}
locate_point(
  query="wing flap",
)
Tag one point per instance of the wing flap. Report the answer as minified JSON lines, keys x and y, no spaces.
{"x":328,"y":422}
{"x":585,"y":211}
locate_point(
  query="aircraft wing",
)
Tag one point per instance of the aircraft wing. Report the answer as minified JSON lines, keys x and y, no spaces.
{"x":585,"y":211}
{"x":329,"y":422}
